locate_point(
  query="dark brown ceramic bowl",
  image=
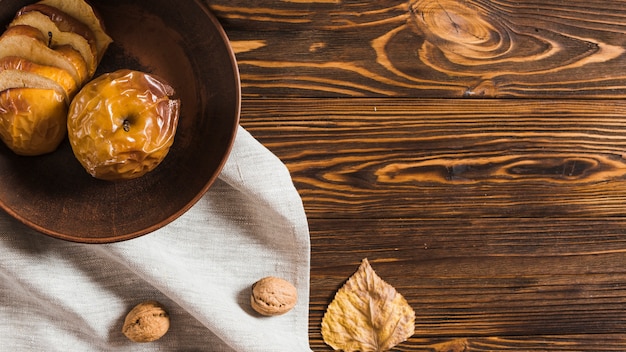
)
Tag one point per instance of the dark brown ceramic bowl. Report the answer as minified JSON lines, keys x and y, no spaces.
{"x":181,"y":42}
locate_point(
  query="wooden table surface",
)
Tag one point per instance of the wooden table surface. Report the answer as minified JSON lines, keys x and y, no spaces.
{"x":473,"y":150}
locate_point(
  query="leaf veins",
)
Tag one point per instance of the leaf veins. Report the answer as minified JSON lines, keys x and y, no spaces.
{"x":367,"y":314}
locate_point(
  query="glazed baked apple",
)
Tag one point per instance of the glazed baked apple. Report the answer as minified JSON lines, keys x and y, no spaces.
{"x":121,"y":125}
{"x":62,"y":29}
{"x":32,"y":120}
{"x":28,"y":42}
{"x":33,"y":106}
{"x":48,"y":51}
{"x":19,"y":66}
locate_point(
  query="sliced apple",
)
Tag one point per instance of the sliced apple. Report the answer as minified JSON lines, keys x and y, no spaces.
{"x":33,"y":121}
{"x":62,"y":20}
{"x":76,"y":60}
{"x":21,"y":79}
{"x":83,"y":12}
{"x":28,"y":42}
{"x":57,"y":75}
{"x":57,"y":37}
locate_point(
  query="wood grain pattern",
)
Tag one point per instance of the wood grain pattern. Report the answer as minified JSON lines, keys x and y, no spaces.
{"x":483,"y":278}
{"x":431,"y":158}
{"x":502,"y":221}
{"x":521,"y":251}
{"x":424,"y":48}
{"x":516,"y":343}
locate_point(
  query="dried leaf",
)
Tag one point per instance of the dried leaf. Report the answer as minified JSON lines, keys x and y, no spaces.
{"x":367,"y":314}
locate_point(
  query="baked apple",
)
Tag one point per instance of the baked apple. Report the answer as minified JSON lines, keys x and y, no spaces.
{"x":84,"y":13}
{"x":11,"y":78}
{"x":121,"y":125}
{"x":33,"y":112}
{"x":76,"y":60}
{"x":46,"y":55}
{"x":29,"y":42}
{"x":24,"y":67}
{"x":52,"y":23}
{"x":32,"y":120}
{"x":63,"y":21}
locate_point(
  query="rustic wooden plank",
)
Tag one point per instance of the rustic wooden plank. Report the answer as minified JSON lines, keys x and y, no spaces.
{"x":570,"y":343}
{"x":377,"y":158}
{"x":423,"y":48}
{"x":485,"y":279}
{"x":536,"y":265}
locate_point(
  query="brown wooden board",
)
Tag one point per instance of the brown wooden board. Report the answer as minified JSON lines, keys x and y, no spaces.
{"x":427,"y":48}
{"x":473,"y":151}
{"x":516,"y":229}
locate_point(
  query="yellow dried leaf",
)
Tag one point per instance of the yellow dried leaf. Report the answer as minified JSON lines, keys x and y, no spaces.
{"x":367,"y":314}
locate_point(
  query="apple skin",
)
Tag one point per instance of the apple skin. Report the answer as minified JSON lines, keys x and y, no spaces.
{"x":121,"y":125}
{"x":84,"y":13}
{"x":62,"y":77}
{"x":46,"y":55}
{"x":32,"y":120}
{"x":63,"y":21}
{"x":76,"y":60}
{"x":29,"y":42}
{"x":57,"y":37}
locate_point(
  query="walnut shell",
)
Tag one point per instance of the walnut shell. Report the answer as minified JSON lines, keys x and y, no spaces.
{"x":273,"y":296}
{"x":146,"y":322}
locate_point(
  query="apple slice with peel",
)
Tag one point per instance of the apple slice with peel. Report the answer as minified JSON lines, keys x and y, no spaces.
{"x":57,"y":37}
{"x":58,"y":75}
{"x":83,"y":12}
{"x":77,"y":61}
{"x":23,"y":79}
{"x":28,"y":42}
{"x":63,"y":21}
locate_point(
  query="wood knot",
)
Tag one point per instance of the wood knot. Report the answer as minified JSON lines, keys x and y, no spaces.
{"x":486,"y":88}
{"x":458,"y":28}
{"x":464,"y":39}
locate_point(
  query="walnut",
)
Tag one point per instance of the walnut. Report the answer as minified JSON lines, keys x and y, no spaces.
{"x":273,"y":296}
{"x":146,"y":322}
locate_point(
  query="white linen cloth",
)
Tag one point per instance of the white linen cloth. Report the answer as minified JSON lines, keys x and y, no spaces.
{"x":63,"y":296}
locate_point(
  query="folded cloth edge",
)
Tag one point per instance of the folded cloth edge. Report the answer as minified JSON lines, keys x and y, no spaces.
{"x":235,"y":174}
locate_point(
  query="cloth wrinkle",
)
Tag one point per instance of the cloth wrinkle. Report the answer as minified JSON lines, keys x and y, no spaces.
{"x":250,"y":224}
